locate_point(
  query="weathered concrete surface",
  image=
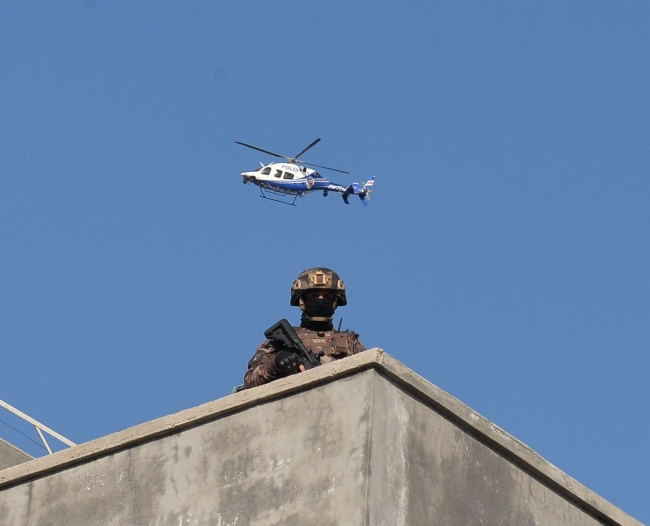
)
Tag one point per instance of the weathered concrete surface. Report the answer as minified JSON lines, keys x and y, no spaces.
{"x":430,"y":471}
{"x":364,"y":441}
{"x":10,"y":455}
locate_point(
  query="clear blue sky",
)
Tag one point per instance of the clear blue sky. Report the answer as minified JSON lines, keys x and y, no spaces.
{"x":504,"y":256}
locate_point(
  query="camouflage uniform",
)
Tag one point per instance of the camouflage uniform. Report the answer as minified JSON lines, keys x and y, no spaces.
{"x":335,"y":345}
{"x":317,"y":333}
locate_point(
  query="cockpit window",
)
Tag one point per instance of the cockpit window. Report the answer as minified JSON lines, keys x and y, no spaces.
{"x":265,"y":171}
{"x":288,"y":175}
{"x":278,"y":174}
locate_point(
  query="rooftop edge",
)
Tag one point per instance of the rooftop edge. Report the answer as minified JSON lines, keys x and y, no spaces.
{"x":470,"y":421}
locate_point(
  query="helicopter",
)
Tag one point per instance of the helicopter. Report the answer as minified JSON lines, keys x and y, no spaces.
{"x":289,"y":179}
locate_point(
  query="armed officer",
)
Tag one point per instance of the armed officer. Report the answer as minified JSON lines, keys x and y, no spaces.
{"x":318,"y":292}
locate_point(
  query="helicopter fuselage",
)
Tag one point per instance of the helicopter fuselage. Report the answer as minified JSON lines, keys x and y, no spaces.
{"x":290,"y":179}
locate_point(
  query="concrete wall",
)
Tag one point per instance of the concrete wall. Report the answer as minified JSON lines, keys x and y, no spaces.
{"x":10,"y":455}
{"x":428,"y":470}
{"x":363,"y":441}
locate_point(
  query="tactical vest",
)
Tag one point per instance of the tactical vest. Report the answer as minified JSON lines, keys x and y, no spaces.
{"x":332,"y":344}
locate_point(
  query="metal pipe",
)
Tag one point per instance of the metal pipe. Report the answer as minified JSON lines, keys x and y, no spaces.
{"x":37,"y":425}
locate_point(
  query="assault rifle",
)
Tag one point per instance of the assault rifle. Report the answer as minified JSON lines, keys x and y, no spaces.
{"x":284,"y":333}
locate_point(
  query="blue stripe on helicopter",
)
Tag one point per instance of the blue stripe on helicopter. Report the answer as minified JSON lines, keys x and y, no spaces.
{"x":302,"y":186}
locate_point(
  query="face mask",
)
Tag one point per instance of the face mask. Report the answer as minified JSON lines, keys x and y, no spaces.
{"x":319,"y":307}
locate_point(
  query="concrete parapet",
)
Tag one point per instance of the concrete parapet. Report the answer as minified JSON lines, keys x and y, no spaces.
{"x":10,"y":455}
{"x":362,"y":441}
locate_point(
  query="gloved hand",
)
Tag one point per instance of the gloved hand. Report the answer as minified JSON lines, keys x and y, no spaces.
{"x":287,"y":362}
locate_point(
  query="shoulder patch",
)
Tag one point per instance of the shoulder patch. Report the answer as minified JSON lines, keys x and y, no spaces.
{"x":257,"y":358}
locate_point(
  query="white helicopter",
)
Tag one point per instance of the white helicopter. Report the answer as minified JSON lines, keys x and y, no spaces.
{"x":289,"y":179}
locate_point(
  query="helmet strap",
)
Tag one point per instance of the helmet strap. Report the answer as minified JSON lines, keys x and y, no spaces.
{"x":316,"y":319}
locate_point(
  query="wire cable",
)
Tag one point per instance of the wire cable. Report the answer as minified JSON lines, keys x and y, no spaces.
{"x":26,"y":436}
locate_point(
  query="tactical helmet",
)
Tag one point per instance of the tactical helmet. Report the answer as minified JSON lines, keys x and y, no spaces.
{"x":318,"y":278}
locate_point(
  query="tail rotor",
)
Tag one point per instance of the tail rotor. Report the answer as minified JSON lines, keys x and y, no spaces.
{"x":367,"y":191}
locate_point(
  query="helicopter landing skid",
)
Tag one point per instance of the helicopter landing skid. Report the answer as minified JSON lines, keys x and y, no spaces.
{"x":285,"y":201}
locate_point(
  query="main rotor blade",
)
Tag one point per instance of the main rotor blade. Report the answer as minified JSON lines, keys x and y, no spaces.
{"x":326,"y":167}
{"x":312,"y":144}
{"x":261,"y":150}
